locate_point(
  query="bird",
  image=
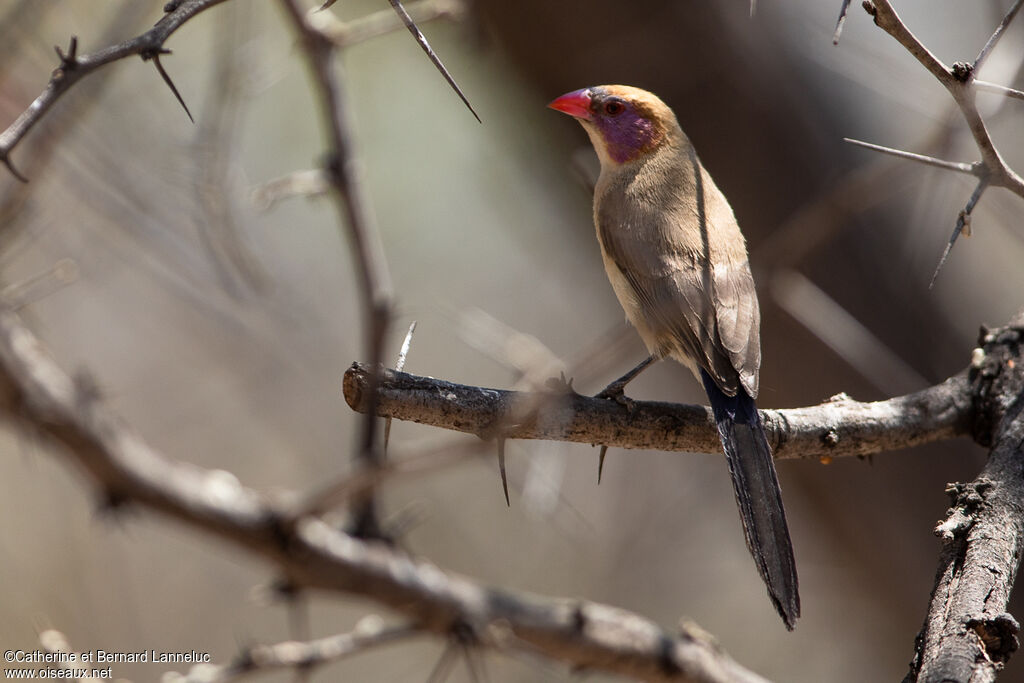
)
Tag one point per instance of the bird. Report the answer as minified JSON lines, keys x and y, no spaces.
{"x":678,"y":264}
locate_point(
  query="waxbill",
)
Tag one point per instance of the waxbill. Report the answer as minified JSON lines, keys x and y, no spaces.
{"x":678,"y":263}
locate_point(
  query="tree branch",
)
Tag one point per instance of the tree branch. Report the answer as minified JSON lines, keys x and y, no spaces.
{"x":312,"y":554}
{"x":838,"y":427}
{"x":73,"y":68}
{"x":967,"y":634}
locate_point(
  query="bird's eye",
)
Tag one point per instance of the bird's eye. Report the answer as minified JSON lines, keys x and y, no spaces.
{"x":614,"y":107}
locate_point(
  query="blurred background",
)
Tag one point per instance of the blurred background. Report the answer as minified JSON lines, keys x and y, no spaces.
{"x":220,"y":327}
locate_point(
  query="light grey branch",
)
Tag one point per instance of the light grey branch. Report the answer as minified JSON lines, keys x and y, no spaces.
{"x":303,"y":656}
{"x":958,"y":82}
{"x":838,"y":427}
{"x":312,"y":554}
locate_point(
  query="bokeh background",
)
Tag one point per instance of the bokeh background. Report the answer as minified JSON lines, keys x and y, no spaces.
{"x":220,"y":328}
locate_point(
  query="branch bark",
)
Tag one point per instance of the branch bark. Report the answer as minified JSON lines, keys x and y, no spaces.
{"x":838,"y":427}
{"x":967,"y":634}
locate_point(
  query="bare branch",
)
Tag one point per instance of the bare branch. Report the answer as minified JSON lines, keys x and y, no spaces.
{"x":313,"y":554}
{"x":971,"y":169}
{"x":73,"y":68}
{"x":369,"y":633}
{"x":353,"y":206}
{"x":958,"y":81}
{"x":838,"y":427}
{"x":996,"y":35}
{"x":967,"y":634}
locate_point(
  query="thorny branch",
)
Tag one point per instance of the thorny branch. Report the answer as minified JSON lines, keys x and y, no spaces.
{"x":312,"y":554}
{"x":838,"y":427}
{"x":959,"y":81}
{"x":353,"y":206}
{"x":73,"y":67}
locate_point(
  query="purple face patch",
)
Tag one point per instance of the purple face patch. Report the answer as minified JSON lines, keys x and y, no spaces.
{"x":626,"y":134}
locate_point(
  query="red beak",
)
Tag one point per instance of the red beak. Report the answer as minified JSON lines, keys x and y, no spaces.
{"x":575,"y":103}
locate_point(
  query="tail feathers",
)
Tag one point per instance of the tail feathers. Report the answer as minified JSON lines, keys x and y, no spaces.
{"x":758,"y":495}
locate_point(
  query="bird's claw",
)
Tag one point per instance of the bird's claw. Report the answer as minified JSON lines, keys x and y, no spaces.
{"x":616,"y":392}
{"x":560,"y":384}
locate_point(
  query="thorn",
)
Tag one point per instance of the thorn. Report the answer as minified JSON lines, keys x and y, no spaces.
{"x":167,"y":79}
{"x":70,"y":60}
{"x":600,"y":462}
{"x":501,"y":468}
{"x":327,"y":3}
{"x":429,"y":51}
{"x":962,"y":222}
{"x":842,"y":20}
{"x":399,"y":365}
{"x":10,"y":167}
{"x":971,"y":169}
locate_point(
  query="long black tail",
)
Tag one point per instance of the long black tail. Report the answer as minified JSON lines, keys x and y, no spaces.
{"x":758,"y":495}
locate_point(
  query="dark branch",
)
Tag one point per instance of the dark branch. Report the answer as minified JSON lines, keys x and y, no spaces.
{"x":74,"y":68}
{"x":839,"y":427}
{"x":967,"y":634}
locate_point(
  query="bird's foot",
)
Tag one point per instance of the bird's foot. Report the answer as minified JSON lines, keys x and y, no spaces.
{"x":616,"y":392}
{"x":560,"y":385}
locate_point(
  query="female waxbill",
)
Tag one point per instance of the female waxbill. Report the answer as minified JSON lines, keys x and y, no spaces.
{"x":678,"y":263}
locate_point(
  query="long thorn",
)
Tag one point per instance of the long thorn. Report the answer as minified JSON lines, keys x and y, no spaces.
{"x":999,"y":89}
{"x":501,"y":468}
{"x":429,"y":51}
{"x":600,"y":462}
{"x":843,"y":9}
{"x":961,"y":220}
{"x":10,"y":167}
{"x":170,"y":84}
{"x":960,"y":167}
{"x":399,"y":365}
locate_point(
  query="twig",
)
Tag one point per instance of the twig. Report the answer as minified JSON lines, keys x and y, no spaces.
{"x":73,"y":68}
{"x":959,"y":82}
{"x":313,"y":554}
{"x":971,"y":169}
{"x":838,"y":427}
{"x":353,"y":206}
{"x":996,"y":35}
{"x":369,"y":633}
{"x":307,"y":183}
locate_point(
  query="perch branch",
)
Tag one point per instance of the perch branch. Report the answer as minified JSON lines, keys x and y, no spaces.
{"x":838,"y":427}
{"x":74,"y":67}
{"x":36,"y":393}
